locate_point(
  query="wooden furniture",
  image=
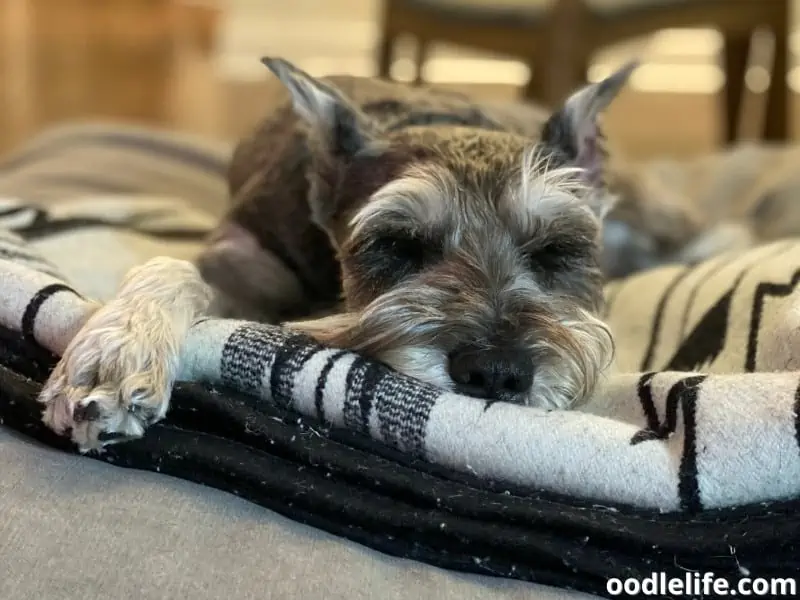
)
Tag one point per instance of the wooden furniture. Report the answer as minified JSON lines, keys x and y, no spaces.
{"x":557,"y":39}
{"x":76,"y":59}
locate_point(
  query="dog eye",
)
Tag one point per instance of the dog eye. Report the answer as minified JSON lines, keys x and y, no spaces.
{"x":392,"y":256}
{"x":409,"y":250}
{"x":557,"y":256}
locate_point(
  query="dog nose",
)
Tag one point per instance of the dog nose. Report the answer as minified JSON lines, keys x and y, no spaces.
{"x":493,"y":373}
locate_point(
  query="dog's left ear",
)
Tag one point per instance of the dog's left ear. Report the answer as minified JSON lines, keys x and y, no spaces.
{"x":573,"y":136}
{"x":337,"y":132}
{"x":335,"y":122}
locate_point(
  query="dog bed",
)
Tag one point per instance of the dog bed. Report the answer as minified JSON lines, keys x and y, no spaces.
{"x":687,"y":460}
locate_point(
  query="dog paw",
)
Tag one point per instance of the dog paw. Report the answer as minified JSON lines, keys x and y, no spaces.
{"x":113,"y":380}
{"x":116,"y":375}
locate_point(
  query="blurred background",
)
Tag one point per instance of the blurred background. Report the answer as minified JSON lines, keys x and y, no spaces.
{"x":714,"y":71}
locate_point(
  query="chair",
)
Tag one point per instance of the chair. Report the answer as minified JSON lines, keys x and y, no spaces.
{"x":557,"y":39}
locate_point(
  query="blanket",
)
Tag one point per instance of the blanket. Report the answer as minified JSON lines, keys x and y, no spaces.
{"x":686,"y":458}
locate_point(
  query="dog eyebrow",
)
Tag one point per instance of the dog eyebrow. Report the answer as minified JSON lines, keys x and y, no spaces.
{"x":572,"y":241}
{"x":542,"y":193}
{"x":414,"y":200}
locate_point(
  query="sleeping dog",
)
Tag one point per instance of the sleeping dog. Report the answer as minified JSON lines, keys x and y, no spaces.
{"x":458,"y":243}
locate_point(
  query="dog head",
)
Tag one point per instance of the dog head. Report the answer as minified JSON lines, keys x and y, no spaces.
{"x":469,"y":257}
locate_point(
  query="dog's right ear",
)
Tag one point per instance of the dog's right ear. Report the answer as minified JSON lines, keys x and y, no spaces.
{"x":337,"y":124}
{"x":573,"y":136}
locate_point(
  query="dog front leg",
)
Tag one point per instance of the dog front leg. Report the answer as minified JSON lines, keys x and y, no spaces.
{"x":116,"y":375}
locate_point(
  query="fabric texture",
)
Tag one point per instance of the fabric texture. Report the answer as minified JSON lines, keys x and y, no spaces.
{"x":687,"y":458}
{"x":656,"y":435}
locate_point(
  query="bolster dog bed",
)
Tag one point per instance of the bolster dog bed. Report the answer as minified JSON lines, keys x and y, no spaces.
{"x":687,"y":460}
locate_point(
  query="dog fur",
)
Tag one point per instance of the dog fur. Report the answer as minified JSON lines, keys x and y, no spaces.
{"x":437,"y":229}
{"x":688,"y":210}
{"x":458,"y":243}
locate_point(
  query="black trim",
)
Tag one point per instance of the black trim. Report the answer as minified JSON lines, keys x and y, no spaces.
{"x":764,"y":289}
{"x":707,"y":339}
{"x":688,"y":485}
{"x":18,"y":254}
{"x":280,"y":386}
{"x":372,"y":376}
{"x":682,"y":395}
{"x":153,"y":147}
{"x":35,"y":304}
{"x":655,"y":331}
{"x":676,"y":398}
{"x":42,"y":230}
{"x":710,"y":266}
{"x":15,"y":210}
{"x":43,"y":224}
{"x":644,"y":392}
{"x":349,"y":415}
{"x":322,"y":382}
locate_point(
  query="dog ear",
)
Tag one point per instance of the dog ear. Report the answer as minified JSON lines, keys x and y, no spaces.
{"x":337,"y":132}
{"x":573,"y":135}
{"x":341,"y":128}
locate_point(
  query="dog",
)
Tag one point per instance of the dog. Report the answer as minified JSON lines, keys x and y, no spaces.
{"x":459,"y":244}
{"x":690,"y":209}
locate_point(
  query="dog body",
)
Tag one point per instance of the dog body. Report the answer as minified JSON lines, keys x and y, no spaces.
{"x":269,"y":258}
{"x":463,"y":245}
{"x":456,"y":242}
{"x":688,"y":210}
{"x":459,"y":244}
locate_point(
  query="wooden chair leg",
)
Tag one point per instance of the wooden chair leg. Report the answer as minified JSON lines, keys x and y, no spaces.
{"x":580,"y":73}
{"x":420,"y":58}
{"x":736,"y":52}
{"x":563,"y":37}
{"x":556,"y":84}
{"x":532,"y":91}
{"x":538,"y":89}
{"x":776,"y":123}
{"x":386,"y":54}
{"x":387,"y":40}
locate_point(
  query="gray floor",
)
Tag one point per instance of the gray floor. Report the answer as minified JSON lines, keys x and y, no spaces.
{"x":72,"y":528}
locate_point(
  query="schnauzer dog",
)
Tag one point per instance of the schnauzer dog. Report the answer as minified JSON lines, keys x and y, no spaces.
{"x":457,"y":250}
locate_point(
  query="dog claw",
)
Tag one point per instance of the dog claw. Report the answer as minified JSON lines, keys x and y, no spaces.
{"x":88,"y":412}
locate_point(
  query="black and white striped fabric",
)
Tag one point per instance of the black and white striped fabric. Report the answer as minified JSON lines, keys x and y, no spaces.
{"x":700,"y":411}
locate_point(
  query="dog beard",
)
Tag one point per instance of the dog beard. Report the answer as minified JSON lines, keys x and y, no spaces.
{"x":570,"y":347}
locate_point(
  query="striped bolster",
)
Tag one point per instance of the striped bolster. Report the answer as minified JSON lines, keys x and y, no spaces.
{"x":110,"y":159}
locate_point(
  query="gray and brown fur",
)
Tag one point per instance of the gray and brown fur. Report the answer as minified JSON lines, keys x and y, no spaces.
{"x":687,"y":210}
{"x":456,"y":242}
{"x":268,"y":186}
